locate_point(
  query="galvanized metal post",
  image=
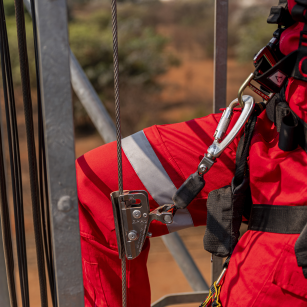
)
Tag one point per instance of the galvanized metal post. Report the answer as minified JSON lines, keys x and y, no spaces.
{"x":220,"y":54}
{"x":220,"y":81}
{"x":60,"y":149}
{"x":88,"y":97}
{"x":91,"y":102}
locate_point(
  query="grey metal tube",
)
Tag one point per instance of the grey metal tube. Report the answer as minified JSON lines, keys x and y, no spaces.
{"x":185,"y":261}
{"x":88,"y":97}
{"x":220,"y":54}
{"x":220,"y":84}
{"x":54,"y":55}
{"x":91,"y":102}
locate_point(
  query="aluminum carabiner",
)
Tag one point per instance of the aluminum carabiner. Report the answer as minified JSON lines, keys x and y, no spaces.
{"x":220,"y":142}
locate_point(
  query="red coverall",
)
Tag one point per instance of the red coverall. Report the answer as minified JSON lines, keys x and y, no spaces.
{"x":263,"y":270}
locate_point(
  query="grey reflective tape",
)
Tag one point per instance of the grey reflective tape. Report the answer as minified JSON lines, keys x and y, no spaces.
{"x":154,"y":177}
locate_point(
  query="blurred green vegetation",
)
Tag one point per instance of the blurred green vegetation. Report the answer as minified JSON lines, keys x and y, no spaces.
{"x":152,"y":37}
{"x":141,"y":50}
{"x":253,"y":33}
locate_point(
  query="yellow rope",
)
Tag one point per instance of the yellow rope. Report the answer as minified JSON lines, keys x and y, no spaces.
{"x":213,"y":297}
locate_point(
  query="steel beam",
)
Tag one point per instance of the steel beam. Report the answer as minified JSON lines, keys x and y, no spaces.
{"x":220,"y":54}
{"x":181,"y":298}
{"x":60,"y":149}
{"x":185,"y":261}
{"x":220,"y":82}
{"x":91,"y":102}
{"x":88,"y":97}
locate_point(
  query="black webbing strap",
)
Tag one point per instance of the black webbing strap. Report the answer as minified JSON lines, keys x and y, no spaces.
{"x":243,"y":146}
{"x":298,"y":11}
{"x":278,"y":219}
{"x":243,"y":151}
{"x":275,"y":78}
{"x":240,"y":181}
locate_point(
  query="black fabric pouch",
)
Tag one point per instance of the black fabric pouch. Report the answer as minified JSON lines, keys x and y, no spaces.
{"x":225,"y":208}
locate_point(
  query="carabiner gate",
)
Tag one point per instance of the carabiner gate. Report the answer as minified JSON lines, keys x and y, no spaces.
{"x":220,"y":143}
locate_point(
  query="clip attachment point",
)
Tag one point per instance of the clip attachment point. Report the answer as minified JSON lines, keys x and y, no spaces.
{"x":132,"y":218}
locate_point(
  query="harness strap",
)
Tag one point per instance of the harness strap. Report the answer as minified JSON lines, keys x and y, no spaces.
{"x":275,"y":78}
{"x":240,"y":182}
{"x":278,"y":219}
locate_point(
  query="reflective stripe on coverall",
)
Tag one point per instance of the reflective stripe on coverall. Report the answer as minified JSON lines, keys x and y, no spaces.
{"x":263,"y":270}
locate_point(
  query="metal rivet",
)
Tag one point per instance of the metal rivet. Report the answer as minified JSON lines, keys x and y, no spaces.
{"x":202,"y":167}
{"x":133,"y":235}
{"x":167,"y":218}
{"x":65,"y":203}
{"x":144,"y":214}
{"x":136,"y":214}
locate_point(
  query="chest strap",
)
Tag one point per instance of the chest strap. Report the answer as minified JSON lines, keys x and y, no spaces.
{"x":278,"y":219}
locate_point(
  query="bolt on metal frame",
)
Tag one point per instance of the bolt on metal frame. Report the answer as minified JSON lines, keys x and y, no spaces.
{"x":54,"y":56}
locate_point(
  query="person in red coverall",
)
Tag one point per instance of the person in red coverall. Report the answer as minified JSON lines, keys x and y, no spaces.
{"x":263,"y":270}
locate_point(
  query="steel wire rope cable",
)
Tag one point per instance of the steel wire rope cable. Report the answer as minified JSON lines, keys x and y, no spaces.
{"x":6,"y":231}
{"x":42,"y":170}
{"x":5,"y":217}
{"x":25,"y":81}
{"x":16,"y":178}
{"x":118,"y":137}
{"x":14,"y":153}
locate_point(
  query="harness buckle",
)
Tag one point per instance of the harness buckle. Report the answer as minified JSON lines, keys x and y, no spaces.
{"x":132,"y":218}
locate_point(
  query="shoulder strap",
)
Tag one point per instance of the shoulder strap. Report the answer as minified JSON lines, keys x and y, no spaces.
{"x":240,"y":181}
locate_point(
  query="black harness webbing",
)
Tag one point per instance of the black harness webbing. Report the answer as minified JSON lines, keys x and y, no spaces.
{"x":278,"y":219}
